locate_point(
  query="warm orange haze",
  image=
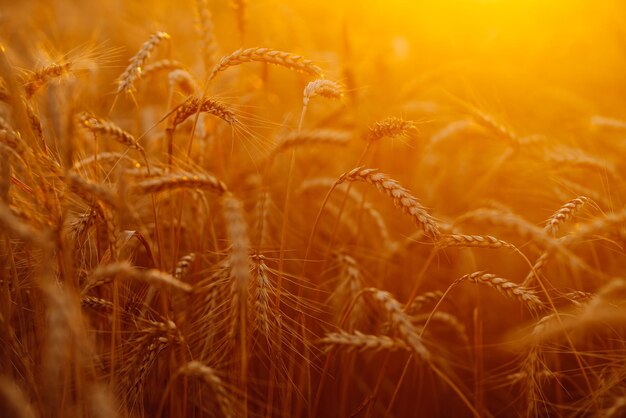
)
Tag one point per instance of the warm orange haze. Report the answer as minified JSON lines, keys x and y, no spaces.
{"x":287,"y":208}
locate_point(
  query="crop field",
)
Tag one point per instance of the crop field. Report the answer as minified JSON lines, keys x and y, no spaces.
{"x":287,"y":208}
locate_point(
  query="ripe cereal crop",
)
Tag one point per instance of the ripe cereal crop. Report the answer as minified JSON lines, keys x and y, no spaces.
{"x":287,"y":208}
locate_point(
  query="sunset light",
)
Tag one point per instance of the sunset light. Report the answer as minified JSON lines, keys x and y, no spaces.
{"x":295,"y":208}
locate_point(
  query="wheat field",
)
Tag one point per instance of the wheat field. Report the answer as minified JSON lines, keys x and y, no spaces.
{"x":283,"y":208}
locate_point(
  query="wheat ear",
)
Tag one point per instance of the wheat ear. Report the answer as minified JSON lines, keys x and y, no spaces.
{"x":161,"y":65}
{"x":308,"y":138}
{"x":362,"y":342}
{"x":269,"y":56}
{"x":210,"y":377}
{"x":402,"y":322}
{"x":100,"y":126}
{"x":400,"y":196}
{"x":324,"y":88}
{"x":184,"y":266}
{"x":205,"y":25}
{"x":566,"y":212}
{"x":134,"y":69}
{"x":194,"y":105}
{"x":390,"y":127}
{"x":480,"y":241}
{"x":506,"y":287}
{"x":262,"y":302}
{"x":106,"y":273}
{"x":40,"y":77}
{"x":13,"y":400}
{"x":182,"y":180}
